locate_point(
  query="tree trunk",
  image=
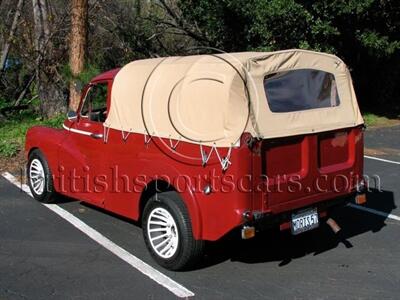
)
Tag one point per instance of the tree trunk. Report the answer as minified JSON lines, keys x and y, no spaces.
{"x":24,"y":91}
{"x":38,"y":21}
{"x":78,"y":39}
{"x":7,"y":44}
{"x":49,"y":91}
{"x":45,"y":18}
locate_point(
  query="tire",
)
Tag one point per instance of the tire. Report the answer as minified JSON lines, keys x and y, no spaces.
{"x":184,"y":251}
{"x":40,"y":178}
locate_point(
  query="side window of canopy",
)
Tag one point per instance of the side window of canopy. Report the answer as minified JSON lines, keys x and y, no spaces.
{"x":95,"y":104}
{"x":302,"y":89}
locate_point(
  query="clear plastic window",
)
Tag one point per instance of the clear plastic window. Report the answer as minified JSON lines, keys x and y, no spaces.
{"x":301,"y":89}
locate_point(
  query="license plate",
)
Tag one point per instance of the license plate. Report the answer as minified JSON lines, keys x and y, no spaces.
{"x":304,"y":221}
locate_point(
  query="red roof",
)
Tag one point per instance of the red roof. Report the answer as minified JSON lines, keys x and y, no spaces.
{"x":109,"y":75}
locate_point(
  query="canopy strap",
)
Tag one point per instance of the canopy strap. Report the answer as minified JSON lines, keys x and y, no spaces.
{"x":172,"y":145}
{"x":106,"y":132}
{"x":125,"y":135}
{"x":204,"y":156}
{"x":147,"y":138}
{"x":224,"y":161}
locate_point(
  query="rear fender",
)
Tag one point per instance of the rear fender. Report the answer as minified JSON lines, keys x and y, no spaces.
{"x":185,"y":191}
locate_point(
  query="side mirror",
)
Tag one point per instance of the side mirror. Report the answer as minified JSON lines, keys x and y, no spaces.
{"x":72,"y":116}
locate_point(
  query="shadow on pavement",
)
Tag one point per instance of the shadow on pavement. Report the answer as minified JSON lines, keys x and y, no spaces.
{"x":283,"y":247}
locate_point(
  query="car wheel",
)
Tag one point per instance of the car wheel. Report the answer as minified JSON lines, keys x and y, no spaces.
{"x":167,"y":232}
{"x":40,"y":179}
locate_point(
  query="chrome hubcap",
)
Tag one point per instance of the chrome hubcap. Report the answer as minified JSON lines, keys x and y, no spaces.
{"x":36,"y":176}
{"x":162,"y":232}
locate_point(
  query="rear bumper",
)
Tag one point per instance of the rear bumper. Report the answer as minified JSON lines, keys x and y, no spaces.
{"x":263,"y":221}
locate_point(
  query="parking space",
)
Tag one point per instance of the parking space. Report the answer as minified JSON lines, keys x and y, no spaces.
{"x":383,"y":143}
{"x":44,"y":256}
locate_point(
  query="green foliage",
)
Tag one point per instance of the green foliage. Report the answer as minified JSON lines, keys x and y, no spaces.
{"x":372,"y":119}
{"x":9,"y":149}
{"x":365,"y":33}
{"x":90,"y":71}
{"x":3,"y":103}
{"x":12,"y":133}
{"x":379,"y":45}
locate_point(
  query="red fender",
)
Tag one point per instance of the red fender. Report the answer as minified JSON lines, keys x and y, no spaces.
{"x":48,"y":141}
{"x":188,"y":196}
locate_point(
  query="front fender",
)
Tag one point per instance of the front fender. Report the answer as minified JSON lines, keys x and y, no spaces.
{"x":48,"y":141}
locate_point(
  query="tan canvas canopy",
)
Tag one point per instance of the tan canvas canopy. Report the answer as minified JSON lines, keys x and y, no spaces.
{"x":213,"y":99}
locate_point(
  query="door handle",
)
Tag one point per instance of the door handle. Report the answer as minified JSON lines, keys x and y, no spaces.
{"x":96,"y":136}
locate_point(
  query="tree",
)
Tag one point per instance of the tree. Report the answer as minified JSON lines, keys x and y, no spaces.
{"x":50,"y":91}
{"x":107,"y":34}
{"x":365,"y":33}
{"x":6,"y":47}
{"x":78,"y":38}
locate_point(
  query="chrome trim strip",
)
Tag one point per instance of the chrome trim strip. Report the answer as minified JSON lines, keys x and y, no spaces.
{"x":77,"y":131}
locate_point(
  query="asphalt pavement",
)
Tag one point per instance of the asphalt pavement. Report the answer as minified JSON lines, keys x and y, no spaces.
{"x":42,"y":256}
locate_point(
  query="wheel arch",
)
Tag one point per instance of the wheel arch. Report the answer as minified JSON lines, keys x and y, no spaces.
{"x":30,"y":150}
{"x":47,"y":141}
{"x":188,"y":198}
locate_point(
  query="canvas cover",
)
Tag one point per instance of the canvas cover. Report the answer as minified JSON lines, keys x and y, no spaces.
{"x":213,"y":99}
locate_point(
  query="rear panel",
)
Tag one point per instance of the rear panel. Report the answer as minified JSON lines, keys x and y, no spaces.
{"x":302,"y":170}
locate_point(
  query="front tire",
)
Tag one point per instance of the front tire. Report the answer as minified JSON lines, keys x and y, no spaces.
{"x":40,"y":178}
{"x":167,"y":232}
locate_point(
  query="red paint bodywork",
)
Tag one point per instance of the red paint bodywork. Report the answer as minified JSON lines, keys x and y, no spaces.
{"x":263,"y":179}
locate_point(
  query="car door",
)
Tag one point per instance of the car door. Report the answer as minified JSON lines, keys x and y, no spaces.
{"x":82,"y":154}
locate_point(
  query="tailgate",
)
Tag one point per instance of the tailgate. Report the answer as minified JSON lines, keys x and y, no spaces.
{"x":302,"y":170}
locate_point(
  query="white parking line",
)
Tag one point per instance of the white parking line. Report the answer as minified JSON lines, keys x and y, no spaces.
{"x":375,"y":212}
{"x":382,"y":159}
{"x":129,"y":258}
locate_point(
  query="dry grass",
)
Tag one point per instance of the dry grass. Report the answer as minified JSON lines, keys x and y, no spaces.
{"x":14,"y":165}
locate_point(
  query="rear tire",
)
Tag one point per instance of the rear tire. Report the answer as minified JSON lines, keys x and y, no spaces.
{"x":40,"y":178}
{"x":167,"y":232}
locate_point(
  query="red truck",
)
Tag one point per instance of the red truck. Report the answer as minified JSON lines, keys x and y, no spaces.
{"x":194,"y":147}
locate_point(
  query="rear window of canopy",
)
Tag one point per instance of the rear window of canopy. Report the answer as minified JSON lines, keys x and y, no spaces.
{"x":301,"y":89}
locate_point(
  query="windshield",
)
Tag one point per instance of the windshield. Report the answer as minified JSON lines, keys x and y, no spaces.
{"x":301,"y":89}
